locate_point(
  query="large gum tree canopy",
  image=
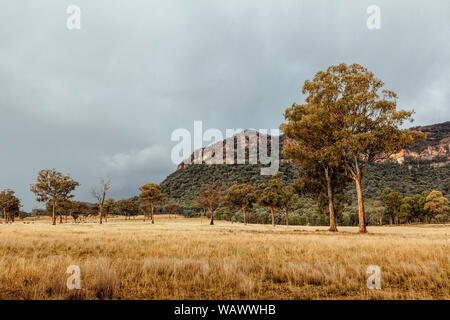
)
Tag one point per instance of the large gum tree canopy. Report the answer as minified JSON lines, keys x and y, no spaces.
{"x":353,"y":119}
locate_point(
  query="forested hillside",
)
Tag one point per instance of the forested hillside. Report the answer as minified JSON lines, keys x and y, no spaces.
{"x":422,"y":166}
{"x":409,"y":179}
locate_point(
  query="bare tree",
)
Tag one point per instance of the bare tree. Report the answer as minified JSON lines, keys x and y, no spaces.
{"x":100,"y":194}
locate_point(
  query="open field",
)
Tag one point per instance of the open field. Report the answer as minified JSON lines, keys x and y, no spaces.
{"x":181,"y":258}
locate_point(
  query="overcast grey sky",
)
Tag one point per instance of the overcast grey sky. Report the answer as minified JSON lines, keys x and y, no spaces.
{"x":103,"y":100}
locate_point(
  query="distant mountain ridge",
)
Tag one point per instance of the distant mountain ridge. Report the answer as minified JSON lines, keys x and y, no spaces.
{"x":421,"y":166}
{"x":436,"y":147}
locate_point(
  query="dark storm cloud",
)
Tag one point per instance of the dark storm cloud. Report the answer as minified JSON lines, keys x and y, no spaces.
{"x":103,"y":101}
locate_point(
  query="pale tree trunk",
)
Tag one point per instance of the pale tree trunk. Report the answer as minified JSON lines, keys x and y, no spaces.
{"x":101,"y":204}
{"x":53,"y":214}
{"x":333,"y":227}
{"x":212,"y":217}
{"x":287,"y":216}
{"x":245,"y":217}
{"x":4,"y":215}
{"x":362,"y":214}
{"x":273,"y":216}
{"x":153,"y":215}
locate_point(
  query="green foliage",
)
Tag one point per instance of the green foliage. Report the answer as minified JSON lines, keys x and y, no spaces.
{"x":409,"y":179}
{"x":150,"y":197}
{"x":110,"y":206}
{"x":437,"y":205}
{"x":53,"y":186}
{"x":173,"y":208}
{"x":9,"y":205}
{"x":271,"y":195}
{"x":413,"y":208}
{"x":182,"y":186}
{"x":128,"y":207}
{"x":392,"y":202}
{"x":424,"y":207}
{"x":240,"y":197}
{"x":78,"y":209}
{"x":210,"y":198}
{"x":348,"y":121}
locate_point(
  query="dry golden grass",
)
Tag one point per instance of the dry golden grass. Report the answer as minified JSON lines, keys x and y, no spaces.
{"x":189,"y":259}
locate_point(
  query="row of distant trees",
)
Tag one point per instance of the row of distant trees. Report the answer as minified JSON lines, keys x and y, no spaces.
{"x":275,"y":196}
{"x":281,"y":199}
{"x":425,"y":207}
{"x":56,"y":190}
{"x":239,"y":199}
{"x":9,"y":205}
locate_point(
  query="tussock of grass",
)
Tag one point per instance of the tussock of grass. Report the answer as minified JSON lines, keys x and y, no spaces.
{"x":188,"y":259}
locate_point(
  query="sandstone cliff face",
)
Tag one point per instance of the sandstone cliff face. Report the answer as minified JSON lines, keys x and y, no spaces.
{"x":436,"y":148}
{"x":242,"y":145}
{"x":440,"y":153}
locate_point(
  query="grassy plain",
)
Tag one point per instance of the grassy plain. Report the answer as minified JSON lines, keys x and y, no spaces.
{"x":180,"y":258}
